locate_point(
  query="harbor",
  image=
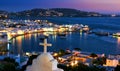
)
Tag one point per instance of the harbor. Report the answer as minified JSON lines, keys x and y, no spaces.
{"x":22,"y":41}
{"x":59,"y":35}
{"x":46,"y":28}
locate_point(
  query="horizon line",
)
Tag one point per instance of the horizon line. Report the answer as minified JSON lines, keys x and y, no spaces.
{"x":61,"y":8}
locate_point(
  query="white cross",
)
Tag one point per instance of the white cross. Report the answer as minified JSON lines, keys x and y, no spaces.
{"x":45,"y":44}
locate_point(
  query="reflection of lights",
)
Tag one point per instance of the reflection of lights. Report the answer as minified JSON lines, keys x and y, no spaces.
{"x":81,"y":32}
{"x":70,"y":33}
{"x":35,"y":37}
{"x":28,"y":36}
{"x":13,"y":41}
{"x":54,"y":33}
{"x":54,"y":37}
{"x":19,"y":39}
{"x":8,"y":36}
{"x":8,"y":46}
{"x":118,"y":40}
{"x":85,"y":35}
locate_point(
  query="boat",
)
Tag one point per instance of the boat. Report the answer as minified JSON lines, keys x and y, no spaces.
{"x":85,"y":28}
{"x":102,"y":33}
{"x":42,"y":37}
{"x":61,"y":34}
{"x":116,"y":34}
{"x":90,"y":32}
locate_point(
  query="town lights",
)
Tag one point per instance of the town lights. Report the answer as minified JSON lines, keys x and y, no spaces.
{"x":55,"y":54}
{"x":20,"y":32}
{"x":74,"y":63}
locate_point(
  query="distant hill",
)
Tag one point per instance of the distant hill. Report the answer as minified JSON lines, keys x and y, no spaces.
{"x":57,"y":12}
{"x":54,"y":12}
{"x":3,"y":14}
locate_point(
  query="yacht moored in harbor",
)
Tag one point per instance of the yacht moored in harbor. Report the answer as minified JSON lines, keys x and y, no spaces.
{"x":116,"y":35}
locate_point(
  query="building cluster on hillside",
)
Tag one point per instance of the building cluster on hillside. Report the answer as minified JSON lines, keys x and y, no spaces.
{"x":15,"y":28}
{"x":52,"y":13}
{"x":72,"y":58}
{"x":3,"y":16}
{"x":113,"y":60}
{"x":69,"y":58}
{"x":55,"y":12}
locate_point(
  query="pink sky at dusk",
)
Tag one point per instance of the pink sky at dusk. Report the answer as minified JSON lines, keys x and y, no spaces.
{"x":103,"y":6}
{"x":110,"y":6}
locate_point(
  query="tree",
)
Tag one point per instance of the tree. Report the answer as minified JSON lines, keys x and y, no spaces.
{"x":117,"y":68}
{"x":99,"y":61}
{"x":29,"y":62}
{"x":10,"y":60}
{"x":77,"y":49}
{"x":93,"y":55}
{"x":61,"y":52}
{"x":1,"y":67}
{"x":9,"y":67}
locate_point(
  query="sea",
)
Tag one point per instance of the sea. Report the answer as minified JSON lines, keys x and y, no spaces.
{"x":86,"y":42}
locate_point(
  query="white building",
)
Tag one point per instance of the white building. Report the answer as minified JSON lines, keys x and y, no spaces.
{"x":112,"y":62}
{"x":44,"y":62}
{"x":114,"y":56}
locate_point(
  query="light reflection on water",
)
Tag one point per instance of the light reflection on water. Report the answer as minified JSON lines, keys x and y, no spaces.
{"x":19,"y":45}
{"x":118,"y":41}
{"x":30,"y":43}
{"x":86,"y":43}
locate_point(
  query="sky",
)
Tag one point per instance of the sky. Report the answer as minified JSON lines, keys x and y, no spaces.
{"x":102,"y":6}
